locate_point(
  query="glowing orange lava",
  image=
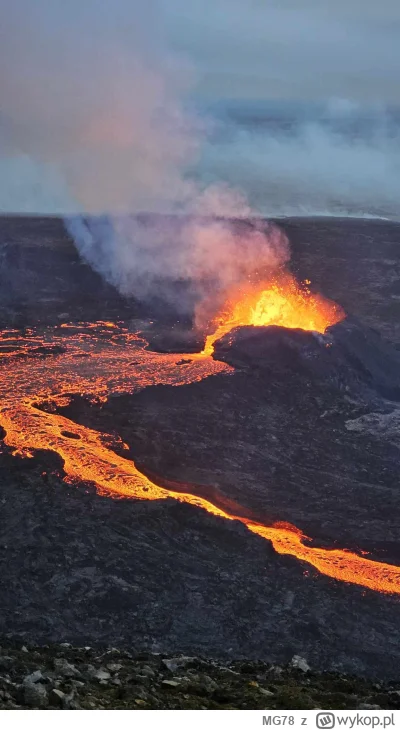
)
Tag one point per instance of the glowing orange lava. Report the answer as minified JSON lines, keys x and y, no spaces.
{"x":282,"y":302}
{"x":102,"y":358}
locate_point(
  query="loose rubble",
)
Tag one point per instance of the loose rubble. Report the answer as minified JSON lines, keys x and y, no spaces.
{"x":71,"y":678}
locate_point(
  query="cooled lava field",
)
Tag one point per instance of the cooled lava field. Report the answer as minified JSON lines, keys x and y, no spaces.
{"x":232,"y":495}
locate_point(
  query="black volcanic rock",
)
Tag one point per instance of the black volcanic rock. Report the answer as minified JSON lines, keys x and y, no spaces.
{"x":349,"y":356}
{"x":44,"y":281}
{"x":167,"y":577}
{"x":354,"y":262}
{"x":155,"y":682}
{"x":177,"y":339}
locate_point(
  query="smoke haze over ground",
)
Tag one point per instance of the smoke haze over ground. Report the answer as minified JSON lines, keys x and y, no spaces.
{"x":336,"y":158}
{"x":95,"y":118}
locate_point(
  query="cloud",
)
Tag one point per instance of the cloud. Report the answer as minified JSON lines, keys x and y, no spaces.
{"x":287,"y":48}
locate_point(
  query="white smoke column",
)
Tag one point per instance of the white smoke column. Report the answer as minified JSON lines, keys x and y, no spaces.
{"x":145,"y":255}
{"x":90,"y":91}
{"x":88,"y":88}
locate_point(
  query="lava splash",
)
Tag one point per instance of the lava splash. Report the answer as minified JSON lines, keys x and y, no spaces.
{"x":282,"y":302}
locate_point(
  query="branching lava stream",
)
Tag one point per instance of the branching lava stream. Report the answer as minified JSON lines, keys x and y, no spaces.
{"x":97,"y":359}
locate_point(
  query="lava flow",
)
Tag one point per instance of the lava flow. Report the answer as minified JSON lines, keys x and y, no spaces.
{"x":97,"y":359}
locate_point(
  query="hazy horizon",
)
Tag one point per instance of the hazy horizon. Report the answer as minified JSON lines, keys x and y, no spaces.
{"x":127,"y":107}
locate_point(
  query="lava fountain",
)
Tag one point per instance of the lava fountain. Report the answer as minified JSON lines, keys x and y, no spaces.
{"x":282,"y":302}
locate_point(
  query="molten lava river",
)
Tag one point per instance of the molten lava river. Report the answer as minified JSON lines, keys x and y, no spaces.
{"x":100,"y":358}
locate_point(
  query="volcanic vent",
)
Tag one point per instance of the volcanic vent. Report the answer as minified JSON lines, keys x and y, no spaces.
{"x":282,"y":302}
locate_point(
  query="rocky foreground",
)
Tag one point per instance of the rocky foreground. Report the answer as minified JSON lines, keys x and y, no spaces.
{"x":68,"y":678}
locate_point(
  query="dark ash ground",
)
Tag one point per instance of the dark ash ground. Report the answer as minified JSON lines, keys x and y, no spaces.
{"x":282,"y":440}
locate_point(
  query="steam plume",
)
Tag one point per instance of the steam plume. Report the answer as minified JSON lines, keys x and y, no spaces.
{"x":98,"y":98}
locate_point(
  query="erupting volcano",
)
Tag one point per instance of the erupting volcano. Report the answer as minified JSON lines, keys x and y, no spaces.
{"x":109,"y":349}
{"x":282,"y":302}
